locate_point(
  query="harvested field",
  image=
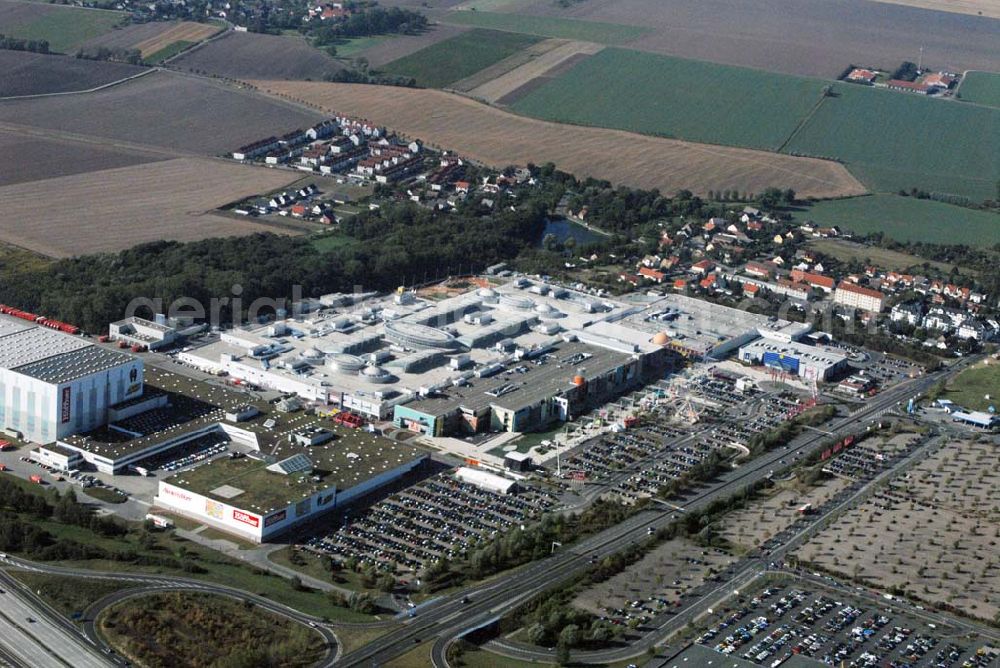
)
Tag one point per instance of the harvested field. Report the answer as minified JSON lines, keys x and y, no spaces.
{"x":128,"y":36}
{"x":132,"y":205}
{"x":932,"y":532}
{"x":459,"y":57}
{"x":385,"y":51}
{"x":28,"y":158}
{"x":805,"y":37}
{"x":257,"y":56}
{"x":556,"y":56}
{"x":165,"y":109}
{"x":35,"y":74}
{"x":496,"y":137}
{"x":990,"y":8}
{"x":183,"y":31}
{"x":64,"y":27}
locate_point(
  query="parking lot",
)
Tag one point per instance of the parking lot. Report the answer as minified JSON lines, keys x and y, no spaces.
{"x":676,"y":434}
{"x":940,"y":552}
{"x":655,"y":584}
{"x":835,"y":627}
{"x":437,"y":518}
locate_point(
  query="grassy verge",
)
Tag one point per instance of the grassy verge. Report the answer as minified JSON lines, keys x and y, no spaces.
{"x":105,"y":494}
{"x":195,"y":629}
{"x":168,"y":51}
{"x":354,"y":638}
{"x":69,"y":595}
{"x":970,"y":388}
{"x":167,"y":553}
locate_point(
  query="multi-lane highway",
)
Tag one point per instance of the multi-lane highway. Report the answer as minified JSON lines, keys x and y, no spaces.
{"x":34,"y":636}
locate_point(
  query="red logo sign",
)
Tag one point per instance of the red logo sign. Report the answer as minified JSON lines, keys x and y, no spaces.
{"x":246,"y":518}
{"x":66,"y":403}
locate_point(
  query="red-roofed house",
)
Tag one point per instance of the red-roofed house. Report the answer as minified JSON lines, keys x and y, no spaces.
{"x":824,"y":283}
{"x":652,"y":274}
{"x":680,"y":284}
{"x":909,"y":86}
{"x":702,"y":267}
{"x":751,"y":289}
{"x":861,"y":75}
{"x":758,"y":269}
{"x":939,"y":80}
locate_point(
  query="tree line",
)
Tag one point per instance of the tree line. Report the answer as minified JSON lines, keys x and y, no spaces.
{"x":18,"y":44}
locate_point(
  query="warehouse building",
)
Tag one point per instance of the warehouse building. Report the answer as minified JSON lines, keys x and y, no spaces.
{"x":53,"y":385}
{"x":810,"y":362}
{"x":263,"y":495}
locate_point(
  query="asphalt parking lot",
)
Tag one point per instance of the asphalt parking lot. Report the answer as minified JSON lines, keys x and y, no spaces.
{"x":776,"y":622}
{"x":437,"y":518}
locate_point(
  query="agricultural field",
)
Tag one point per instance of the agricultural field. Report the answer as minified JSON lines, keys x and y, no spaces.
{"x":495,"y":137}
{"x":931,"y":532}
{"x":197,"y":629}
{"x":683,"y":99}
{"x":990,"y":8}
{"x":64,"y":27}
{"x":381,"y":50}
{"x":548,"y":26}
{"x":36,"y":74}
{"x":459,"y":57}
{"x":255,"y":56}
{"x":182,"y":31}
{"x":183,"y":114}
{"x":31,"y":158}
{"x":973,"y":385}
{"x":505,"y":86}
{"x":132,"y":205}
{"x":894,"y":141}
{"x":168,"y":51}
{"x":907,"y":219}
{"x":802,"y":37}
{"x":981,"y":88}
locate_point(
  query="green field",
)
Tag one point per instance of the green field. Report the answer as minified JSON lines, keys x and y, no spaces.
{"x":891,"y":141}
{"x":168,"y":51}
{"x":549,"y":26}
{"x":969,"y":389}
{"x":65,"y":28}
{"x":981,"y":88}
{"x":461,"y":56}
{"x":351,"y":47}
{"x":896,"y":141}
{"x":674,"y":97}
{"x":908,"y":219}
